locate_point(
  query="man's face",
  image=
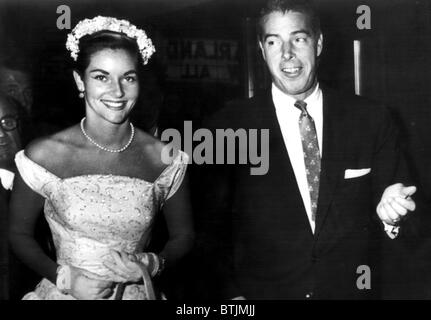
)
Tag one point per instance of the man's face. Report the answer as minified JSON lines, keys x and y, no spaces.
{"x":290,"y":50}
{"x":10,"y":141}
{"x":17,"y":84}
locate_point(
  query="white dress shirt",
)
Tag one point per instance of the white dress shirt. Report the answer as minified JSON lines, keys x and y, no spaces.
{"x":6,"y":178}
{"x":288,"y":117}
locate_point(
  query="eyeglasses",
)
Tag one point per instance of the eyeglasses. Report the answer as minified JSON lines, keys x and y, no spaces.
{"x":9,"y":123}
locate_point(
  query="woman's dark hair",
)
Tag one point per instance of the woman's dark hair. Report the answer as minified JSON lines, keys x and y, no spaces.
{"x":90,"y":44}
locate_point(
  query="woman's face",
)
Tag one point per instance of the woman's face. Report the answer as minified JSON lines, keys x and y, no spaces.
{"x":111,"y":84}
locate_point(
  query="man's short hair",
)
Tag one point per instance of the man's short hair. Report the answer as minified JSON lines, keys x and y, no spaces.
{"x":305,"y":7}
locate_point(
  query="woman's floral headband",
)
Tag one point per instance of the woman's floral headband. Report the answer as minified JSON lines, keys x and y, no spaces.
{"x":99,"y":23}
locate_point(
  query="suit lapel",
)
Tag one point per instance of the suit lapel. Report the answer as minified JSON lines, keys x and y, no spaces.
{"x":270,"y":121}
{"x":278,"y":155}
{"x":334,"y":143}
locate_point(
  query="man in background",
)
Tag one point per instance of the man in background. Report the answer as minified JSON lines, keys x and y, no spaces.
{"x":10,"y":143}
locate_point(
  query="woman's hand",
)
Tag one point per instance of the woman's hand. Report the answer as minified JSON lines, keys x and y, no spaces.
{"x":125,"y":266}
{"x":85,"y":286}
{"x":151,"y":262}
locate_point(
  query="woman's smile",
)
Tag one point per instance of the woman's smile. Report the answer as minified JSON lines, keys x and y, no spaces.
{"x":114,"y":105}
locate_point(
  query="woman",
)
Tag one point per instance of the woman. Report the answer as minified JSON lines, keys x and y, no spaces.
{"x":102,"y":181}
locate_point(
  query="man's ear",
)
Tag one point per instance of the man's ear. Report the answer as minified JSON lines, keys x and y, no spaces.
{"x":78,"y":81}
{"x":319,"y":44}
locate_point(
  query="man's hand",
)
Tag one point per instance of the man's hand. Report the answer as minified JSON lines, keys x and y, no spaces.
{"x":396,"y":202}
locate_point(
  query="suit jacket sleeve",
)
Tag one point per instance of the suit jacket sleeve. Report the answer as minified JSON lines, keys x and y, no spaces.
{"x":389,"y":167}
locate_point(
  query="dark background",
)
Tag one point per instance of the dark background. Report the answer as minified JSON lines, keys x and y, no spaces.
{"x":396,"y":65}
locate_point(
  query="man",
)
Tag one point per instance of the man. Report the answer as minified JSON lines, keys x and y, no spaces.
{"x":10,"y":143}
{"x":12,"y":272}
{"x":16,"y":83}
{"x":308,"y":228}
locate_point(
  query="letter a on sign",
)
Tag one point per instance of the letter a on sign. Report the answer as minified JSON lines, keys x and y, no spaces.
{"x":364,"y":20}
{"x":63,"y":21}
{"x":364,"y":280}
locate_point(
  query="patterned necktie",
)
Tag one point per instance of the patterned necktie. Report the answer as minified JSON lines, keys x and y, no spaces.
{"x":310,"y":148}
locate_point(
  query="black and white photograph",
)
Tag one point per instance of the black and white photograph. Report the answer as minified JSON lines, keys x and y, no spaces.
{"x":215,"y":154}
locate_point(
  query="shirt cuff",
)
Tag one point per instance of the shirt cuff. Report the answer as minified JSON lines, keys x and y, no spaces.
{"x":6,"y":179}
{"x":391,"y":231}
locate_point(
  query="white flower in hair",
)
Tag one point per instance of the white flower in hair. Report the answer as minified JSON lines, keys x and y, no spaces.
{"x":99,"y":23}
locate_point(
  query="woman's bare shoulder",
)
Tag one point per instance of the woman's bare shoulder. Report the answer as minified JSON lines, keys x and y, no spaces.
{"x":52,"y":148}
{"x":152,"y":148}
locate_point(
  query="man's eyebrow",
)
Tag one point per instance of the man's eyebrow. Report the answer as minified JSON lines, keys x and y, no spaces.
{"x":307,"y":32}
{"x":270,"y":35}
{"x":304,"y":31}
{"x":99,"y":70}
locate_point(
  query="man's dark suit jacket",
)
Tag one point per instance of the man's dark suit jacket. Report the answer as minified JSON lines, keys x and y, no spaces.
{"x":4,"y":263}
{"x":264,"y":246}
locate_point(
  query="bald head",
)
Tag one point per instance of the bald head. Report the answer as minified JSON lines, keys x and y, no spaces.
{"x":7,"y":105}
{"x":17,"y":84}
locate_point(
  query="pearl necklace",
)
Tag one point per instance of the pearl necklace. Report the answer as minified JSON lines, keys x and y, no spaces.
{"x":104,"y":148}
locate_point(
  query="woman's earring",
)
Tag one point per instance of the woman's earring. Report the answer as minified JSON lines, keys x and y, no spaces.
{"x":81,"y":94}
